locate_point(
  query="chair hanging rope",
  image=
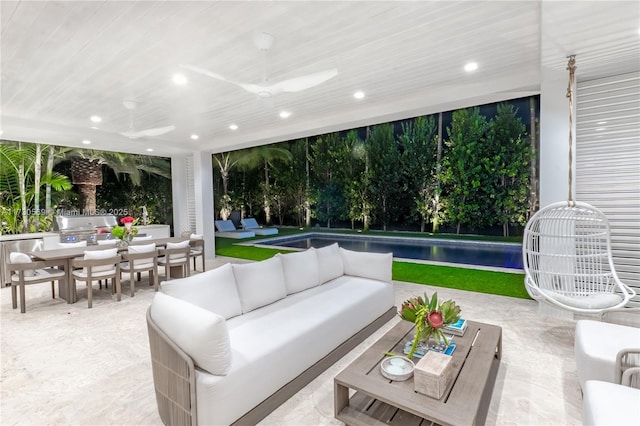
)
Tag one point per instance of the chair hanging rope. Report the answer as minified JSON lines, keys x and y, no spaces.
{"x":571,"y":66}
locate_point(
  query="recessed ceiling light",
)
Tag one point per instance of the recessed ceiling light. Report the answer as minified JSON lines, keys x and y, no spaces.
{"x":599,"y":129}
{"x":285,"y":114}
{"x":471,"y":66}
{"x":233,"y":126}
{"x":94,"y":128}
{"x":195,"y":137}
{"x":602,"y":122}
{"x":86,"y":142}
{"x":359,"y":95}
{"x":149,"y":149}
{"x":180,"y":79}
{"x":95,"y":119}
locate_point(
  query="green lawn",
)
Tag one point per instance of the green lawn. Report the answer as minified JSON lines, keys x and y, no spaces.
{"x":500,"y":283}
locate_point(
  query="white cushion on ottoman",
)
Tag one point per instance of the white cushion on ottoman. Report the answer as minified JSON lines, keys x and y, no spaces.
{"x":606,"y":403}
{"x":202,"y":334}
{"x":596,"y":346}
{"x":214,"y":290}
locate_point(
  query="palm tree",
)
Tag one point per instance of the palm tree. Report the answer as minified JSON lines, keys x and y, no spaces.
{"x":21,"y":178}
{"x":86,"y":171}
{"x":264,"y":156}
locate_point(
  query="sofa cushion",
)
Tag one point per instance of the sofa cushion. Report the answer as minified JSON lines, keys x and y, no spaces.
{"x":606,"y":403}
{"x":259,"y":283}
{"x":202,"y":334}
{"x":300,"y":270}
{"x":329,"y":263}
{"x":376,"y":266}
{"x":213,"y":290}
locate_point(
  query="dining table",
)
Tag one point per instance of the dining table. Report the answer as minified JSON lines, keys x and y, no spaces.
{"x":64,"y":256}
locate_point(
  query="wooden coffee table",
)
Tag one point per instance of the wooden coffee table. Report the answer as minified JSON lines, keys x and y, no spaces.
{"x":380,"y":401}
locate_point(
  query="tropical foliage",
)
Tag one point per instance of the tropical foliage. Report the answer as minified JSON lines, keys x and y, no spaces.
{"x":477,"y":174}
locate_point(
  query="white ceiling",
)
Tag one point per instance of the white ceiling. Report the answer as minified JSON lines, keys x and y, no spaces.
{"x":63,"y":61}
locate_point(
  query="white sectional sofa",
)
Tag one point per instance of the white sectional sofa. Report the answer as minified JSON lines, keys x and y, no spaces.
{"x":231,"y":344}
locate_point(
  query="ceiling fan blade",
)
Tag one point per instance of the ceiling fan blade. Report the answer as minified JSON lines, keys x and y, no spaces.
{"x":157,"y":131}
{"x":251,"y":88}
{"x":299,"y":84}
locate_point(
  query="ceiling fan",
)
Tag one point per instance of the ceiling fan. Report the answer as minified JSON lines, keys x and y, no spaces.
{"x":264,"y":42}
{"x":132,"y":133}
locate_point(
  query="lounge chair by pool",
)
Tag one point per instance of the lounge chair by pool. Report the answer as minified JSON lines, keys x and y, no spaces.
{"x":227,"y":229}
{"x":250,"y":224}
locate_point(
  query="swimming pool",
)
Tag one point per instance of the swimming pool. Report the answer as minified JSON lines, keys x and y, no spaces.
{"x":499,"y":255}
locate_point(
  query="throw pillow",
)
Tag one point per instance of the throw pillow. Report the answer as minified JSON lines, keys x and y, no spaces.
{"x":73,"y":245}
{"x":213,"y":290}
{"x":99,"y":255}
{"x":202,"y":334}
{"x":376,"y":266}
{"x":17,"y":257}
{"x":329,"y":263}
{"x":259,"y":283}
{"x":300,"y":270}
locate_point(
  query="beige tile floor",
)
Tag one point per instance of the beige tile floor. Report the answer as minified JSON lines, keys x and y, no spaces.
{"x":66,"y":364}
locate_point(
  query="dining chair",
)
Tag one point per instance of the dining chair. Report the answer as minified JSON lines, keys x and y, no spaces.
{"x":24,"y":271}
{"x":141,"y":258}
{"x":176,"y":255}
{"x":96,"y":265}
{"x":197,"y":247}
{"x":72,"y":245}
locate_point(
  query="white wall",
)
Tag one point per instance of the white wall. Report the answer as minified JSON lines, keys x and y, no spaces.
{"x":554,"y":137}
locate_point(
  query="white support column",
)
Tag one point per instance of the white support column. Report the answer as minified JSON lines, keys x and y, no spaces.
{"x":203,"y":185}
{"x":554,"y":137}
{"x":179,"y":185}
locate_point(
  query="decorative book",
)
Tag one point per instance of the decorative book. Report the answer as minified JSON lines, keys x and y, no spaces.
{"x":422,"y":348}
{"x":458,"y":328}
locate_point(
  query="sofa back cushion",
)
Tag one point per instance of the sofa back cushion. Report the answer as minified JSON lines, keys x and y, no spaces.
{"x":329,"y":263}
{"x":213,"y":290}
{"x":300,"y":270}
{"x":376,"y":266}
{"x":202,"y":334}
{"x":259,"y":283}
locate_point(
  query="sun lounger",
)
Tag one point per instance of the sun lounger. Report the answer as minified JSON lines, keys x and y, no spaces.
{"x":227,"y":229}
{"x":250,"y":224}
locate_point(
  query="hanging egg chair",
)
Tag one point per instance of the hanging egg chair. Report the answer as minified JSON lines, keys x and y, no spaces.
{"x":566,"y":251}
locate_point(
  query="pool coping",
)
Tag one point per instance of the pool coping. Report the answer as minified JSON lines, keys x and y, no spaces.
{"x":257,"y":243}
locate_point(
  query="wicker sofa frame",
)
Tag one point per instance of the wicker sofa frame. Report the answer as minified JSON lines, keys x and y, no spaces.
{"x":175,"y":383}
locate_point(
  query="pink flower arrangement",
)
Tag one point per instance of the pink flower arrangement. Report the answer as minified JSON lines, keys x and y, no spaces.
{"x":127,"y":232}
{"x":429,"y":317}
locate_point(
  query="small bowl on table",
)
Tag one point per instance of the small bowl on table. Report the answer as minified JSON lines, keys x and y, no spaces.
{"x":397,"y":368}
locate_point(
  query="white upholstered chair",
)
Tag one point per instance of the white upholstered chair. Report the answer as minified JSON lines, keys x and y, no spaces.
{"x":25,"y":272}
{"x":604,"y":350}
{"x":197,"y":248}
{"x":96,"y":265}
{"x":141,"y":258}
{"x":176,"y":255}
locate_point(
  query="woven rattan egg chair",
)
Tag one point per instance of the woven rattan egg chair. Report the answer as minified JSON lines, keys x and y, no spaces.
{"x":567,"y":259}
{"x":566,"y":251}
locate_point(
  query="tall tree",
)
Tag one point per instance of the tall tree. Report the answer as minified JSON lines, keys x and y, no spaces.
{"x":510,"y":151}
{"x":419,"y":144}
{"x":264,"y":156}
{"x":326,"y":161}
{"x":356,"y":180}
{"x":463,"y":171}
{"x":384,"y":160}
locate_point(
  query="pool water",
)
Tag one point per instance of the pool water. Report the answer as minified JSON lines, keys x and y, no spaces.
{"x":502,"y":255}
